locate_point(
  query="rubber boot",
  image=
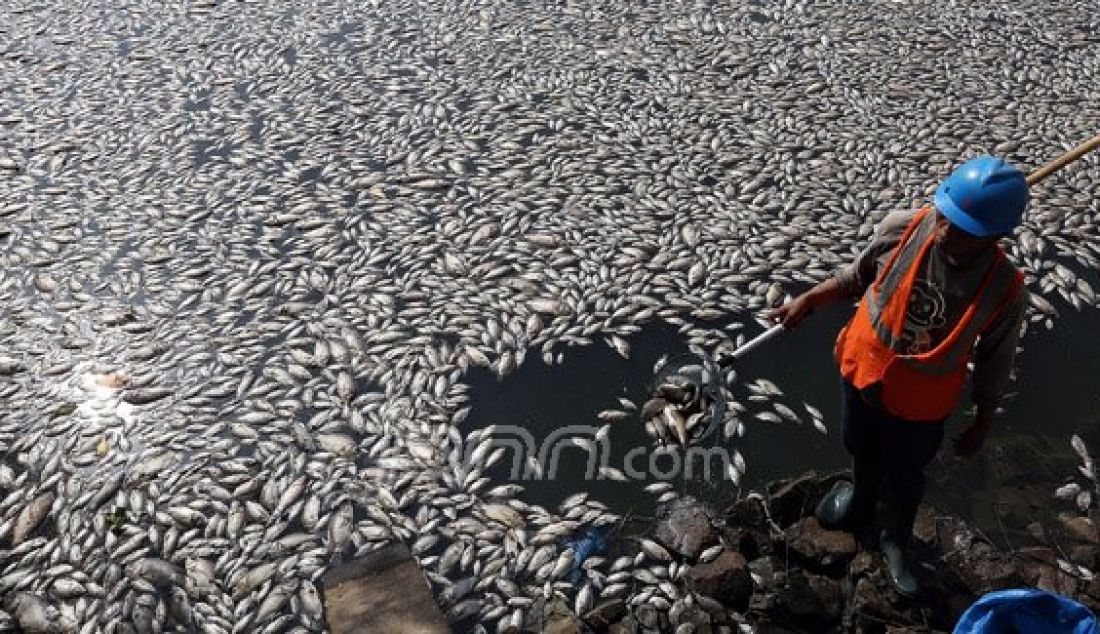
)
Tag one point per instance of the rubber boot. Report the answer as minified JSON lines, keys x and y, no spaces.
{"x":901,"y":576}
{"x":833,"y":510}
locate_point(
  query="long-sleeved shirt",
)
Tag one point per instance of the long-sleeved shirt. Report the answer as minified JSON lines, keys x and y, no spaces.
{"x":940,"y":295}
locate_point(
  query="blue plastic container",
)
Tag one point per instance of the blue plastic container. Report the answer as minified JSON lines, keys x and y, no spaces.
{"x":1027,"y":611}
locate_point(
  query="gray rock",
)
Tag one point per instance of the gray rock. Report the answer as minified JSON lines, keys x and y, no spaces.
{"x":1077,"y":528}
{"x":559,"y":619}
{"x":747,"y":529}
{"x":872,"y":603}
{"x":383,"y":591}
{"x":625,"y":626}
{"x":819,"y":549}
{"x":983,"y":569}
{"x":686,"y":527}
{"x":1090,"y":596}
{"x":726,"y":579}
{"x":812,"y":600}
{"x":605,"y":613}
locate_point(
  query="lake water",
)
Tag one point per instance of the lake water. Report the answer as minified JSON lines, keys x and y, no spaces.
{"x":1001,"y":489}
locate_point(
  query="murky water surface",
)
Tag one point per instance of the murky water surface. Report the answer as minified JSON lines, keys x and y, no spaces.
{"x":1001,"y":489}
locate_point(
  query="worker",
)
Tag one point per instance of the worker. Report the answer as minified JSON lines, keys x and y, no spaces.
{"x":935,"y":291}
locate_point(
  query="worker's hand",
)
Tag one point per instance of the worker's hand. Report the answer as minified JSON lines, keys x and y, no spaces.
{"x":970,"y":441}
{"x":791,"y":313}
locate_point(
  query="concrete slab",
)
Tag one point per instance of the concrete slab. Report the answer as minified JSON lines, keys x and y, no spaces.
{"x":383,"y":592}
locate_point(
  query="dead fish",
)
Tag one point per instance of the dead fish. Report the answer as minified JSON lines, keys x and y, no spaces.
{"x":345,"y":386}
{"x":786,"y":412}
{"x":31,"y":516}
{"x":548,"y":306}
{"x":1067,"y":491}
{"x":613,"y":415}
{"x":30,"y":612}
{"x":152,"y":466}
{"x":339,"y":444}
{"x":611,"y":473}
{"x":676,"y":393}
{"x":655,"y":551}
{"x":652,"y":408}
{"x":253,"y":579}
{"x":161,"y":574}
{"x":340,"y":528}
{"x":695,"y":273}
{"x":504,"y":514}
{"x":693,"y":421}
{"x":9,"y":366}
{"x":145,"y":395}
{"x":710,"y":554}
{"x":770,"y":417}
{"x":310,"y":600}
{"x":179,"y":606}
{"x":275,"y":600}
{"x":619,"y":344}
{"x":675,"y":422}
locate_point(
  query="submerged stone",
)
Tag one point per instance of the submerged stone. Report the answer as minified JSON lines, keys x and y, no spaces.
{"x":685,"y":526}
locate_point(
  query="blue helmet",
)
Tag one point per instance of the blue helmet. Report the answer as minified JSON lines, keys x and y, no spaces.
{"x":984,"y":196}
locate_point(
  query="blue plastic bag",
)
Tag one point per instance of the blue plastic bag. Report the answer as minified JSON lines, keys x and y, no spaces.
{"x":592,"y":541}
{"x":1027,"y":611}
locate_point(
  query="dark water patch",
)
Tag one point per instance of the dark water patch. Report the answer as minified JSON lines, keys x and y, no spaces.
{"x":1007,"y":489}
{"x":290,"y":55}
{"x":310,"y":175}
{"x":340,"y":36}
{"x":1025,"y":457}
{"x":196,"y":105}
{"x":538,"y":409}
{"x":200,"y":149}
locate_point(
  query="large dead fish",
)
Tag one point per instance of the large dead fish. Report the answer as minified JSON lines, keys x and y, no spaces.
{"x":30,"y":612}
{"x":31,"y":516}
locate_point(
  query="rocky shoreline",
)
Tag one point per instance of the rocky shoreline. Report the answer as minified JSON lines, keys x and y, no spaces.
{"x":777,"y":570}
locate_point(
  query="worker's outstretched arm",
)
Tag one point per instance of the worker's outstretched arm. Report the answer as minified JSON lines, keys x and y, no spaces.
{"x":794,"y":311}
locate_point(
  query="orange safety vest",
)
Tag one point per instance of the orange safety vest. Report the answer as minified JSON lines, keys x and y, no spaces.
{"x":927,"y":386}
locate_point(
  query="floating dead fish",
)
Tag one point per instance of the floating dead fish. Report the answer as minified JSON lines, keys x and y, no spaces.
{"x":675,"y":422}
{"x":145,"y":395}
{"x":504,"y":514}
{"x":161,"y":574}
{"x":786,"y":412}
{"x":30,"y":612}
{"x":619,"y":345}
{"x":652,"y":408}
{"x":613,"y":415}
{"x":9,"y":366}
{"x":31,"y":516}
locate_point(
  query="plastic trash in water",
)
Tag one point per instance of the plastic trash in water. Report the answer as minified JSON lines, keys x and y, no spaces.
{"x":1027,"y":611}
{"x":591,"y":542}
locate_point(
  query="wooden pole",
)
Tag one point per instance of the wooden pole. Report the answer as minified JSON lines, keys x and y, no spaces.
{"x":1063,"y":160}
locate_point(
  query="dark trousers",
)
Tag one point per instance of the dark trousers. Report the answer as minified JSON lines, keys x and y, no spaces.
{"x":886,"y":448}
